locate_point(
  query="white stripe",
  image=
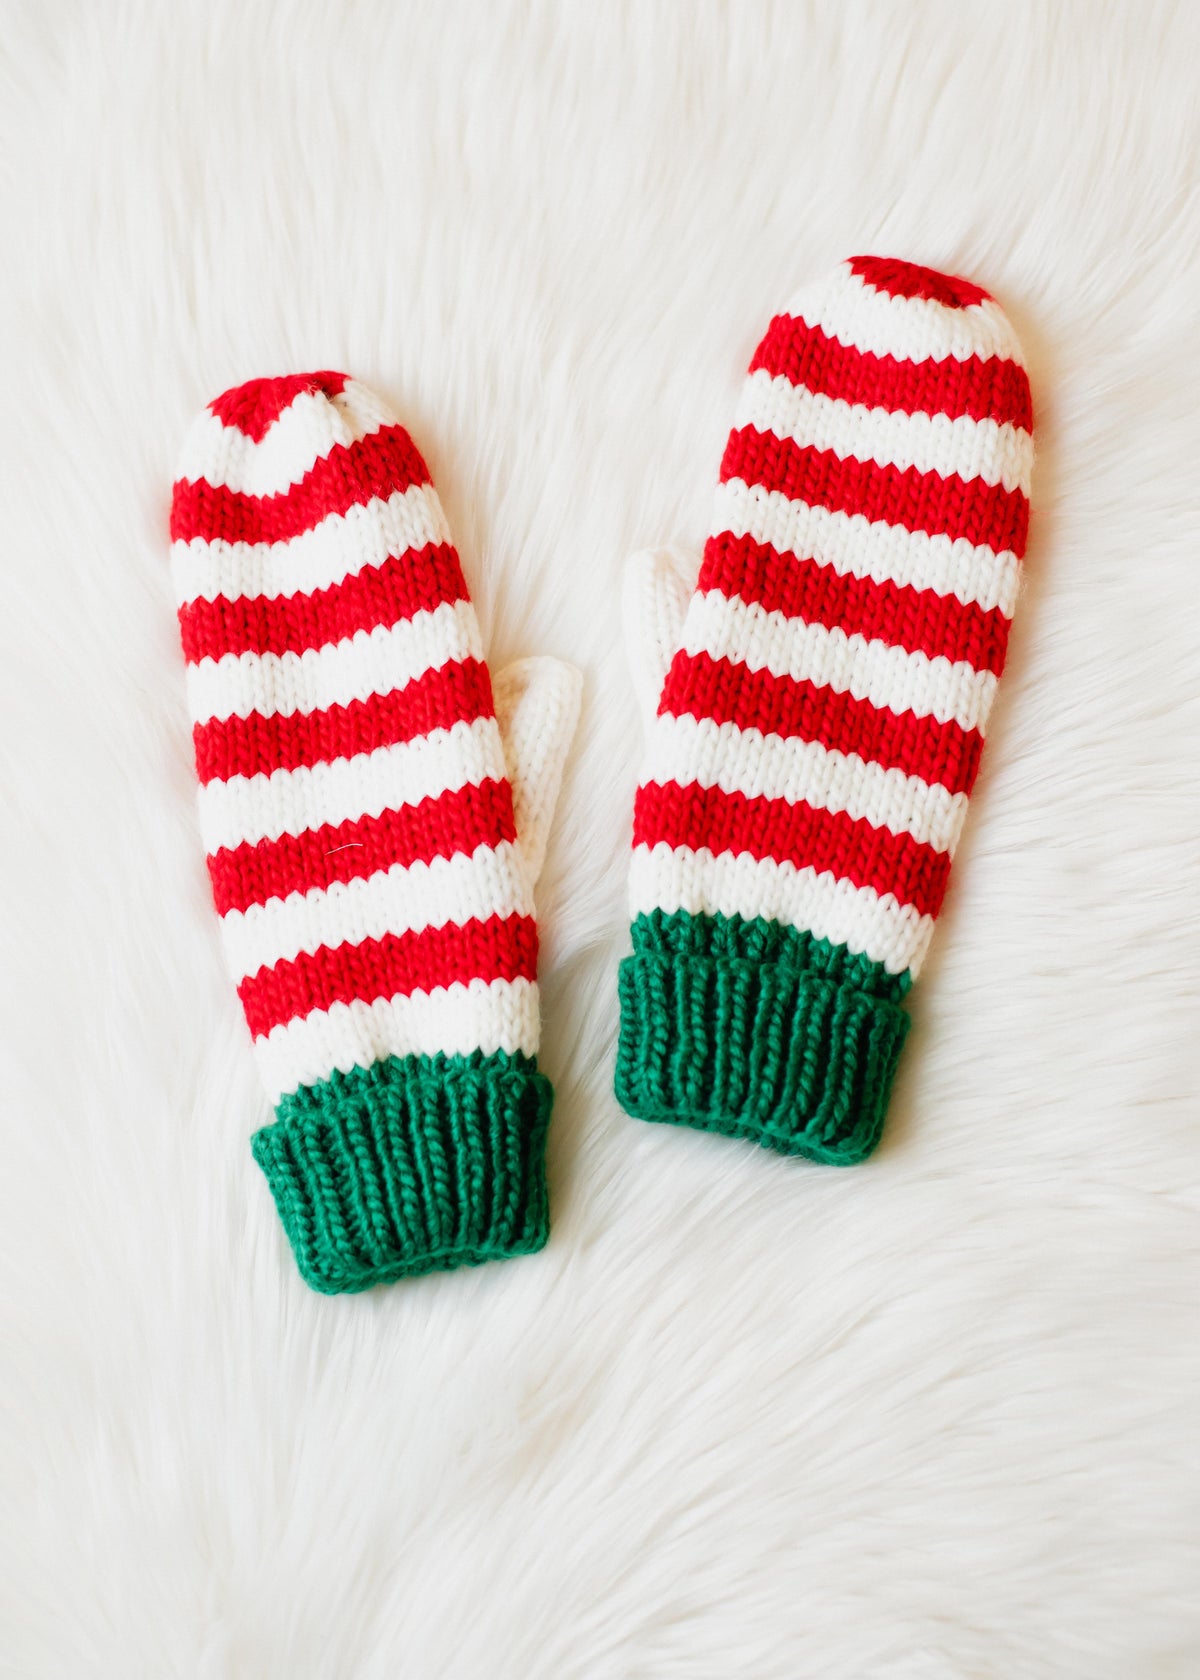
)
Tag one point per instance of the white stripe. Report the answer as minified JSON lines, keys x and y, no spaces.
{"x":305,"y":432}
{"x":370,"y":662}
{"x":492,"y":881}
{"x":247,"y":809}
{"x":710,"y":754}
{"x":856,"y":547}
{"x":452,"y":1021}
{"x":972,"y":449}
{"x":911,"y":329}
{"x":869,"y":923}
{"x":889,"y":676}
{"x":338,"y":548}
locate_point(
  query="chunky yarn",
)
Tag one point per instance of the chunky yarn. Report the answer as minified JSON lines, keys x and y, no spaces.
{"x":376,"y":904}
{"x":823,"y":714}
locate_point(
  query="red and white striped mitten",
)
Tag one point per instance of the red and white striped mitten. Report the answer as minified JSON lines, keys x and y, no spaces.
{"x":373,"y":875}
{"x":818,"y":708}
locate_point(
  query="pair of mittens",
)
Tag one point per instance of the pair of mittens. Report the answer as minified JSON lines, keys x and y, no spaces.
{"x":816,"y":709}
{"x":375,"y":814}
{"x":375,"y":810}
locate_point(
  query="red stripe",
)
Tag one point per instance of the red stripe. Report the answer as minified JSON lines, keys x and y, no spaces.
{"x":920,"y":620}
{"x":416,"y":581}
{"x":377,"y":465}
{"x":258,"y":744}
{"x":255,"y":406}
{"x":730,"y":692}
{"x":800,"y":834}
{"x":919,"y":501}
{"x":910,"y":280}
{"x":984,"y":388}
{"x":500,"y":948}
{"x":459,"y":821}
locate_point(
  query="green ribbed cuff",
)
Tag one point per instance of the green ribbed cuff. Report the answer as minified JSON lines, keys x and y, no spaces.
{"x":760,"y":1032}
{"x":415,"y":1164}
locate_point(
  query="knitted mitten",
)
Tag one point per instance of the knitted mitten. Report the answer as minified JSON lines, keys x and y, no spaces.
{"x":374,"y":883}
{"x":820,"y":708}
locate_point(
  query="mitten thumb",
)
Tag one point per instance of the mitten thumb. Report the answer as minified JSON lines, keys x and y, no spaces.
{"x":655,"y":591}
{"x":537,"y":708}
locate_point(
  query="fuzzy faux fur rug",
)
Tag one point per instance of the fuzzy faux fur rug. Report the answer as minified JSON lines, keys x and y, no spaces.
{"x":929,"y":1418}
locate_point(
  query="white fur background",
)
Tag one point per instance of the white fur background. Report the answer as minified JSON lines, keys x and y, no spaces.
{"x":933,"y":1417}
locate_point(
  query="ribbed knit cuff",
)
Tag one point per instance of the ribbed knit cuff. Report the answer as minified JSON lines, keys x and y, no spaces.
{"x":414,"y":1164}
{"x":758,"y":1033}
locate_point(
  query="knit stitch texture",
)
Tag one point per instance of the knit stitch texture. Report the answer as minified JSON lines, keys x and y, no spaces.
{"x":375,"y":896}
{"x":822,"y":716}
